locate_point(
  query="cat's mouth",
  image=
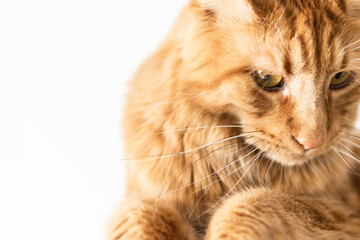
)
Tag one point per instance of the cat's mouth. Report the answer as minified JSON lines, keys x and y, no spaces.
{"x":289,"y":156}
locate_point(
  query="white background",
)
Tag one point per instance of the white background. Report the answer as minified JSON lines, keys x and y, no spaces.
{"x":63,"y":71}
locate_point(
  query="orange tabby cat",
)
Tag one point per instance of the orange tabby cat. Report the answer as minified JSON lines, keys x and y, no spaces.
{"x":239,"y":126}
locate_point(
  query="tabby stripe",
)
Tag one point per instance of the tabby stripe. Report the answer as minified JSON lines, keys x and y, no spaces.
{"x":291,"y":18}
{"x":304,"y":53}
{"x":331,"y":47}
{"x":342,"y":5}
{"x":299,"y":4}
{"x":287,"y":65}
{"x":332,"y":16}
{"x":318,"y":36}
{"x":250,"y":227}
{"x":345,"y":61}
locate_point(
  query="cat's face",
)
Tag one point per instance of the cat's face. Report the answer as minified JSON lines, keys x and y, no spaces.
{"x":288,"y":69}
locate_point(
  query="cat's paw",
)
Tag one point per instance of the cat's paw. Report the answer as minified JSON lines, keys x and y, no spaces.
{"x":243,"y":217}
{"x":237,"y":228}
{"x":231,"y":233}
{"x":148,"y":220}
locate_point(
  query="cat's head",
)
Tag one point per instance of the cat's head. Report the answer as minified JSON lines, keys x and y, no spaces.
{"x":289,"y":69}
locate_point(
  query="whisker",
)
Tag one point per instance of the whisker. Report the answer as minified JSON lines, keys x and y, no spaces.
{"x":206,"y":190}
{"x":338,"y":153}
{"x":351,"y":151}
{"x":156,"y":156}
{"x":349,"y":135}
{"x":335,"y":160}
{"x":353,"y":49}
{"x":231,"y":173}
{"x":168,"y":159}
{"x":242,"y":177}
{"x":351,"y":44}
{"x":348,"y":154}
{"x":216,"y":172}
{"x":192,"y":164}
{"x":352,"y":128}
{"x":351,"y":142}
{"x":272,"y":164}
{"x":184,"y":129}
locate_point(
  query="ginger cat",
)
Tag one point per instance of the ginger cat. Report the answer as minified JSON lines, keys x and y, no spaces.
{"x":240,"y":125}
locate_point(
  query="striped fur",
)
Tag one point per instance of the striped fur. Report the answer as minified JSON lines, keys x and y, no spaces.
{"x":211,"y":155}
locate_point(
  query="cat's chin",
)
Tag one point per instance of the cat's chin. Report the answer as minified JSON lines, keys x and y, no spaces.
{"x":290,"y":161}
{"x":295,"y":160}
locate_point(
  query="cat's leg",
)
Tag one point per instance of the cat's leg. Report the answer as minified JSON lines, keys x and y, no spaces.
{"x":265,"y":214}
{"x":148,"y":220}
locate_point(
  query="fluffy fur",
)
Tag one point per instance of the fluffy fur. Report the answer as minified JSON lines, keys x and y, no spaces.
{"x":212,"y":155}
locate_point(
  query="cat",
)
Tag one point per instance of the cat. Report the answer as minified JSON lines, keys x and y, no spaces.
{"x":240,"y":126}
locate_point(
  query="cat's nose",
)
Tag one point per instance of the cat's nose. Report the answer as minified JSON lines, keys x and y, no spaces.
{"x":310,"y":143}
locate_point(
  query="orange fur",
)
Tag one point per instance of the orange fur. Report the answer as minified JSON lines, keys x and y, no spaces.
{"x":212,"y":154}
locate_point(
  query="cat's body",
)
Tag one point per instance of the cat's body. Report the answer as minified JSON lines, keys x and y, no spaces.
{"x":212,"y":153}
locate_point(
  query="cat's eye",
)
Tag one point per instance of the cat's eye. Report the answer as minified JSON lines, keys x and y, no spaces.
{"x":340,"y":80}
{"x":269,"y":82}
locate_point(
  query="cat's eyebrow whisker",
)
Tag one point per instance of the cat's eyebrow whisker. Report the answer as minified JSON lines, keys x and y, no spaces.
{"x":185,"y":129}
{"x":281,"y":38}
{"x":219,"y":171}
{"x":157,"y":156}
{"x":278,"y":30}
{"x":351,"y":44}
{"x":352,"y":49}
{"x":353,"y":76}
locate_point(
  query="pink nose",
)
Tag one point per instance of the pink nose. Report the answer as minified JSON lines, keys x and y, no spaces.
{"x":309,"y":143}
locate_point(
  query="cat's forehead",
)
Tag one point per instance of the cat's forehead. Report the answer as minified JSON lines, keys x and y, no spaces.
{"x":308,"y":53}
{"x":305,"y":14}
{"x":308,"y":7}
{"x":301,"y":17}
{"x":291,"y":36}
{"x":307,"y":36}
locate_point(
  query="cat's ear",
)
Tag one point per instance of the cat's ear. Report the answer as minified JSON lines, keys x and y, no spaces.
{"x":235,"y":10}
